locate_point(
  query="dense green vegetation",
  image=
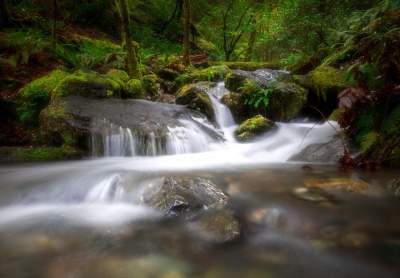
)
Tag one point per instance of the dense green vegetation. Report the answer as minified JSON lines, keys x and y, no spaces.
{"x":343,"y":57}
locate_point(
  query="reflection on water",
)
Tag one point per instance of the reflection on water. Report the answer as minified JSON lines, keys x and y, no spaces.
{"x":85,"y":219}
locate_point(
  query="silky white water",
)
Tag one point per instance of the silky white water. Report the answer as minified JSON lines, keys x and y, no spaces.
{"x":186,"y":148}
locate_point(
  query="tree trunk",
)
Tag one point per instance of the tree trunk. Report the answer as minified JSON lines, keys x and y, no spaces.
{"x":54,"y":27}
{"x":252,"y":40}
{"x":4,"y":15}
{"x":132,"y":62}
{"x":186,"y":32}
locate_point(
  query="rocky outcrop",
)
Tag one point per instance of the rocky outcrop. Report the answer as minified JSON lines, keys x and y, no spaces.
{"x":253,"y":127}
{"x":195,"y":97}
{"x":73,"y":120}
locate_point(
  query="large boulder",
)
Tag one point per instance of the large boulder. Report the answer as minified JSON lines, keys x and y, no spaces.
{"x":286,"y":101}
{"x":75,"y":121}
{"x":253,"y":127}
{"x":195,"y":97}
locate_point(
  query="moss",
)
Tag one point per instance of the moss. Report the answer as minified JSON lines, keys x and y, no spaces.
{"x":336,"y":114}
{"x":118,"y":75}
{"x":325,"y":80}
{"x":250,"y":128}
{"x":90,"y":84}
{"x":45,"y":154}
{"x":36,"y":95}
{"x":196,"y":98}
{"x":28,"y":154}
{"x":135,"y":89}
{"x":54,"y":127}
{"x":214,"y":73}
{"x":150,"y":84}
{"x":286,"y":101}
{"x":249,"y":66}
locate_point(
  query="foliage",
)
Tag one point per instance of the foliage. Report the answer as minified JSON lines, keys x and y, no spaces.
{"x":91,"y":53}
{"x":255,"y":96}
{"x":26,"y":43}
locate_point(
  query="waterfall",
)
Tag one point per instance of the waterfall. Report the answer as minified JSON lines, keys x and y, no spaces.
{"x":110,"y":140}
{"x":189,"y":132}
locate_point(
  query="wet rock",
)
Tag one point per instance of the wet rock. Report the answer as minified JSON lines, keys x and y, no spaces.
{"x":195,"y":97}
{"x":329,"y":152}
{"x":253,"y":127}
{"x":345,"y":184}
{"x":216,"y":226}
{"x":286,"y":101}
{"x":175,"y":196}
{"x":235,"y":103}
{"x":72,"y":121}
{"x":394,"y":187}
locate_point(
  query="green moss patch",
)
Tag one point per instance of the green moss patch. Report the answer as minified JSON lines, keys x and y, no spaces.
{"x":250,"y":128}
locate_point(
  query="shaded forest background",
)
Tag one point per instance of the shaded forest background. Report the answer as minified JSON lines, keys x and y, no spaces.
{"x":348,"y":49}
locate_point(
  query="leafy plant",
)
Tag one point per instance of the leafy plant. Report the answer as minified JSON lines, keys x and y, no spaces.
{"x":255,"y":96}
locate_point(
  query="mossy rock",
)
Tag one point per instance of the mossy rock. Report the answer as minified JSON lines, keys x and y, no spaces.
{"x":135,"y":89}
{"x":286,"y":101}
{"x":235,"y":103}
{"x":119,"y":76}
{"x":214,"y":73}
{"x":195,"y":97}
{"x":90,"y":84}
{"x":39,"y":153}
{"x":55,"y":125}
{"x":36,"y":95}
{"x":150,"y":85}
{"x":234,"y":82}
{"x":253,"y":127}
{"x":249,"y":66}
{"x":326,"y":80}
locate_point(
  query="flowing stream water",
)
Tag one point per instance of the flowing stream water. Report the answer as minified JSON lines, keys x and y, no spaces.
{"x":88,"y":219}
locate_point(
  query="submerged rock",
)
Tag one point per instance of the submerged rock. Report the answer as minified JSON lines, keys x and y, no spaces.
{"x":195,"y":97}
{"x":312,"y":194}
{"x":253,"y":127}
{"x":183,"y":196}
{"x":346,"y":184}
{"x":216,"y":226}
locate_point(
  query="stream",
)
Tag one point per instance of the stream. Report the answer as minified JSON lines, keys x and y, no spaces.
{"x":274,"y":218}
